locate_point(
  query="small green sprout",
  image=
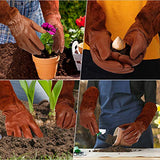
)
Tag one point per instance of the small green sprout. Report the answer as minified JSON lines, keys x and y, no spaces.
{"x":53,"y":94}
{"x":29,"y":90}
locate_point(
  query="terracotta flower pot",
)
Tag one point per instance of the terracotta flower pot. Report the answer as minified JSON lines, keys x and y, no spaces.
{"x":46,"y":67}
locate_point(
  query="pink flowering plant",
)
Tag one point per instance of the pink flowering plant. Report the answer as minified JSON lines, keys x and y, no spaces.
{"x":47,"y":38}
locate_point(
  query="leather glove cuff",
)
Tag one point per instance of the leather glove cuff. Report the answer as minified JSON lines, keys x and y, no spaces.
{"x":70,"y":102}
{"x":50,"y":9}
{"x":8,"y":15}
{"x":147,"y":114}
{"x":8,"y":99}
{"x":148,"y":20}
{"x":95,"y":19}
{"x":66,"y":94}
{"x":89,"y":100}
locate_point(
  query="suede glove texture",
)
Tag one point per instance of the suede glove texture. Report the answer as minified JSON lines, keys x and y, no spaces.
{"x":99,"y":40}
{"x":52,"y":16}
{"x":142,"y":31}
{"x":87,"y":108}
{"x":65,"y":114}
{"x":133,"y":131}
{"x":22,"y":28}
{"x":19,"y":122}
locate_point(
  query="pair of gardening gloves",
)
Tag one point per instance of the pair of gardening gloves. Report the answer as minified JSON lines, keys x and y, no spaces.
{"x":19,"y":122}
{"x":131,"y":131}
{"x":24,"y":29}
{"x":138,"y":37}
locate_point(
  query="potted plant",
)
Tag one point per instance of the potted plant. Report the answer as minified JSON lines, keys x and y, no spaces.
{"x":46,"y":63}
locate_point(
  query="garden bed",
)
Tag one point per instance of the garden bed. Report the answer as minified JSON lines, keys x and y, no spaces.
{"x":16,"y":63}
{"x":56,"y":142}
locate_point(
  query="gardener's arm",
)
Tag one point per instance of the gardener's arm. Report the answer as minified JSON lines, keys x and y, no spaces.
{"x":22,"y":28}
{"x":65,"y":114}
{"x":18,"y":119}
{"x":87,"y":108}
{"x":134,"y":130}
{"x":142,"y":31}
{"x":52,"y":16}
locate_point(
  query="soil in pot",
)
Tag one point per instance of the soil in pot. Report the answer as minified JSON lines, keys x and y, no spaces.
{"x":16,"y":63}
{"x":56,"y":141}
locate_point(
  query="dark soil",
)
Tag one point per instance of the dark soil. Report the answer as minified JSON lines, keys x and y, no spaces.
{"x":113,"y":149}
{"x":124,"y":51}
{"x":16,"y":63}
{"x":111,"y":139}
{"x":45,"y":54}
{"x":56,"y":141}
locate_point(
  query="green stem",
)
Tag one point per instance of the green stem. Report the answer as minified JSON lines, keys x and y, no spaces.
{"x":31,"y":109}
{"x":52,"y":107}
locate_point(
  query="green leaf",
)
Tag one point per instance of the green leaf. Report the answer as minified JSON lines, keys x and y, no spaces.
{"x":32,"y":90}
{"x":57,"y":90}
{"x":45,"y":85}
{"x":24,"y":86}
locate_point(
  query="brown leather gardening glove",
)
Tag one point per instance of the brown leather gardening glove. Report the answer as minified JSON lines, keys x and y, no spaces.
{"x":140,"y":34}
{"x":22,"y":28}
{"x":133,"y":131}
{"x":19,"y":122}
{"x":65,"y":114}
{"x":99,"y":40}
{"x":52,"y":16}
{"x":87,"y":107}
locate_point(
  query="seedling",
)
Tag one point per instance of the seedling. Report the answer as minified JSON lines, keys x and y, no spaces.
{"x":29,"y":90}
{"x":47,"y":38}
{"x":53,"y":94}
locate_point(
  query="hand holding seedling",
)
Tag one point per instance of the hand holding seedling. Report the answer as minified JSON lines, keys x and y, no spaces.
{"x":19,"y":122}
{"x":52,"y":16}
{"x":88,"y":105}
{"x":65,"y":114}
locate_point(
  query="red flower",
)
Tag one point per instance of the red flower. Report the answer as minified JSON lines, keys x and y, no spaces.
{"x":81,"y":21}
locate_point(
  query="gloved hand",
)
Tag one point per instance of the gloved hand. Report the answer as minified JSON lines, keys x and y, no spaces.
{"x":19,"y":121}
{"x":87,"y":107}
{"x":99,"y":40}
{"x":65,"y":114}
{"x":22,"y":28}
{"x":133,"y":131}
{"x":140,"y":34}
{"x":52,"y":16}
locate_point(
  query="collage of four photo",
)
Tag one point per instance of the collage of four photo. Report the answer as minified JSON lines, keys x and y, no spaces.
{"x":80,"y":79}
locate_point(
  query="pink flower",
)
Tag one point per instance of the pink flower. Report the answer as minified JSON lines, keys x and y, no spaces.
{"x":49,"y":28}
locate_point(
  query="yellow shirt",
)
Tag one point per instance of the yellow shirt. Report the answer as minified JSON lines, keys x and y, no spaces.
{"x":120,"y":15}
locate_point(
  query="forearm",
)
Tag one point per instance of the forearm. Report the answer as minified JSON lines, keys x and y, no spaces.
{"x":89,"y":100}
{"x":66,"y":94}
{"x":147,"y":114}
{"x":95,"y":19}
{"x":8,"y":98}
{"x":50,"y":8}
{"x":6,"y":12}
{"x":148,"y":20}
